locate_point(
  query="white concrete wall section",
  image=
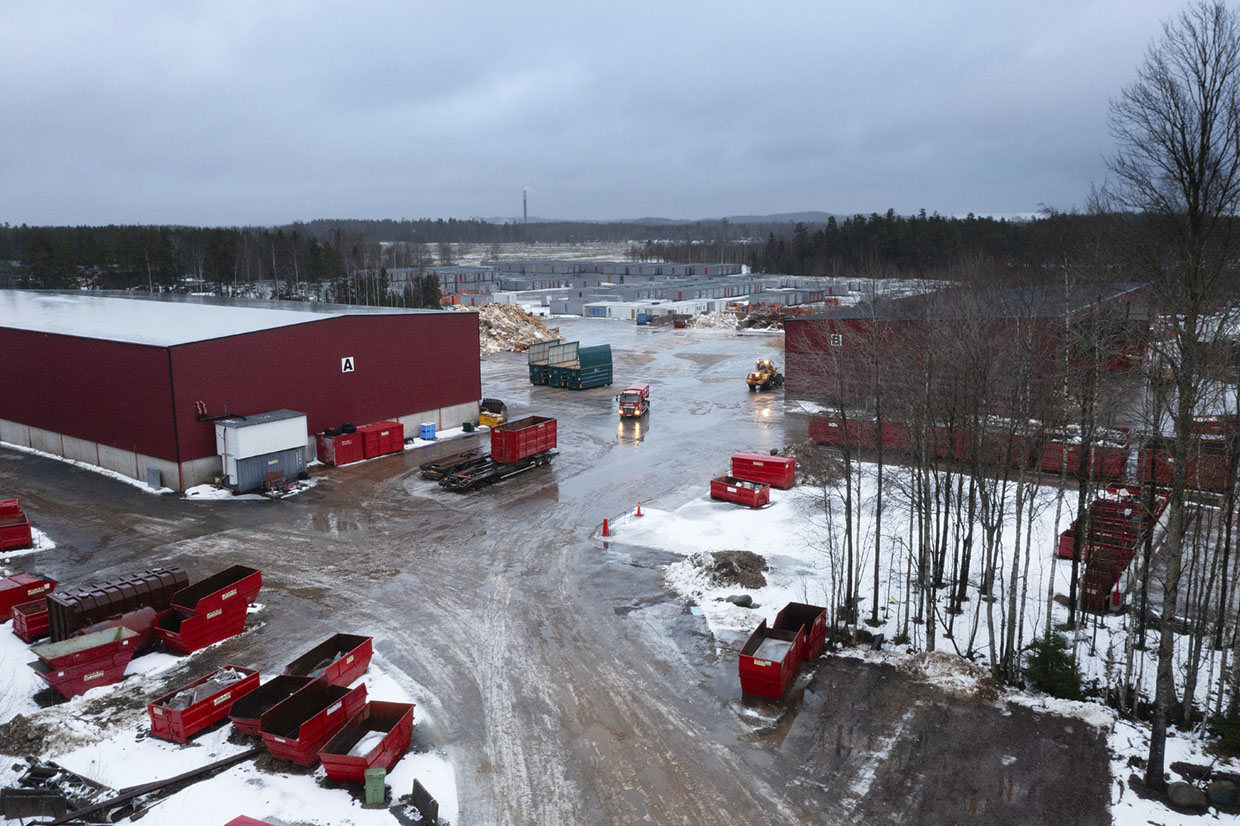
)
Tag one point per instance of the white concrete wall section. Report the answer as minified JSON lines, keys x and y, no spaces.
{"x":169,"y":472}
{"x":120,"y":461}
{"x":46,"y":441}
{"x":199,"y":472}
{"x":14,"y":433}
{"x":125,"y":462}
{"x":80,"y":450}
{"x":443,"y":417}
{"x":259,"y":439}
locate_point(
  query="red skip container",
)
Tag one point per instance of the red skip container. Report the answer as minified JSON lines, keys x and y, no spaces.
{"x":239,"y":583}
{"x":185,"y":635}
{"x":797,"y":615}
{"x":297,"y":728}
{"x":513,"y":441}
{"x":77,"y":665}
{"x":339,"y":660}
{"x":731,"y":489}
{"x":248,"y":711}
{"x":376,"y":739}
{"x":21,"y":588}
{"x":15,"y":531}
{"x":776,"y":471}
{"x":209,"y":701}
{"x":30,"y":620}
{"x":340,"y":450}
{"x":768,"y":661}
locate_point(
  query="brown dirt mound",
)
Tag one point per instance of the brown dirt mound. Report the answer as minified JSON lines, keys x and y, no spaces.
{"x":742,"y":568}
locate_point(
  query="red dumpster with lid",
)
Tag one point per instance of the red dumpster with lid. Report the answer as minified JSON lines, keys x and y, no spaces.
{"x":21,"y":588}
{"x":381,"y":438}
{"x":77,"y":665}
{"x":297,"y":728}
{"x":30,"y":621}
{"x":731,"y":489}
{"x":247,"y":711}
{"x":339,"y":660}
{"x":238,"y":583}
{"x":376,"y":738}
{"x":180,"y":714}
{"x":776,"y":471}
{"x":768,"y":661}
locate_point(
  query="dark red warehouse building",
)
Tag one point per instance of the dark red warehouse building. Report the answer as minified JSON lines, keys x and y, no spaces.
{"x":925,"y":346}
{"x":133,"y":384}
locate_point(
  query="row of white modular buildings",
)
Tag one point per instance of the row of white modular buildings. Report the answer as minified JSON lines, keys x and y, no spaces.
{"x":628,"y":290}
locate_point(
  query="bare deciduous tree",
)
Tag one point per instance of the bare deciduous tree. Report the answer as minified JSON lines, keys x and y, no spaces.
{"x":1177,"y":166}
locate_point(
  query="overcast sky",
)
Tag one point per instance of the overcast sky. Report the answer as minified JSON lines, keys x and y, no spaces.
{"x":266,"y":112}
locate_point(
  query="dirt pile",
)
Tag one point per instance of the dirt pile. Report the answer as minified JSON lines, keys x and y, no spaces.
{"x":732,"y":568}
{"x":506,"y":328}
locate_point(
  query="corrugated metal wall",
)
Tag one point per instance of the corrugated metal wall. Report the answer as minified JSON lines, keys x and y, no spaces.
{"x":401,"y":364}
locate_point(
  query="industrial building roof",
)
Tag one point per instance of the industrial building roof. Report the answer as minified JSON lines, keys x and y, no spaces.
{"x":261,"y":418}
{"x":1041,"y":301}
{"x":162,"y":321}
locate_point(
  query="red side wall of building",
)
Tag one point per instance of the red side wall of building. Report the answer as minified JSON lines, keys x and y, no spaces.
{"x":403,"y":364}
{"x":109,"y":392}
{"x":144,"y":398}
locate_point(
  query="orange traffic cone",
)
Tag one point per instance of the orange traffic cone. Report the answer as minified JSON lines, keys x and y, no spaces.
{"x":639,"y":508}
{"x":605,"y":531}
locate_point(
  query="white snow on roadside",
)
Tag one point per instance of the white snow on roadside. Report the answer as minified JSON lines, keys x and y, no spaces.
{"x":111,"y":474}
{"x":214,"y":493}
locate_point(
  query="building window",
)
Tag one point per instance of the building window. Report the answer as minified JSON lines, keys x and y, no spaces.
{"x":837,"y":340}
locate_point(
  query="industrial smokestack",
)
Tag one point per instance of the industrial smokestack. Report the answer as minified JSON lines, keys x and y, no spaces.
{"x":525,"y":206}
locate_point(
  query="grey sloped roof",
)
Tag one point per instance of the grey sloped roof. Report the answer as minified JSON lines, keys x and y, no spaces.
{"x":1009,"y":302}
{"x":162,"y":321}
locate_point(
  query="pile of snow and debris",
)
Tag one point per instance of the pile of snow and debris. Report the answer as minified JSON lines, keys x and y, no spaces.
{"x":952,"y":673}
{"x":507,"y":328}
{"x":723,"y":321}
{"x":763,"y":320}
{"x":724,"y":569}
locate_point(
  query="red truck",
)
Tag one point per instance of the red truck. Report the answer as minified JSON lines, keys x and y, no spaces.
{"x":634,"y":401}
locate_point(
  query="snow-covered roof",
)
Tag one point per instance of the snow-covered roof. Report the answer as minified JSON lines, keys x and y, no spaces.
{"x":161,"y":321}
{"x":261,"y":418}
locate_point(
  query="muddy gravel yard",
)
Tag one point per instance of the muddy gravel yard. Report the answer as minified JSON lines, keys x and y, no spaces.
{"x":554,"y":671}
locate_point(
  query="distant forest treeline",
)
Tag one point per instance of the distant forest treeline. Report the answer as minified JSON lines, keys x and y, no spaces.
{"x":163,"y":257}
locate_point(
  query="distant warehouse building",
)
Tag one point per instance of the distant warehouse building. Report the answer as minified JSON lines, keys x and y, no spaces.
{"x":924,"y":346}
{"x":135,"y":384}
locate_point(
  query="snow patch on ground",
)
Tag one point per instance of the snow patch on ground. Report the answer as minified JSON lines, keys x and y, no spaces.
{"x":215,"y":493}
